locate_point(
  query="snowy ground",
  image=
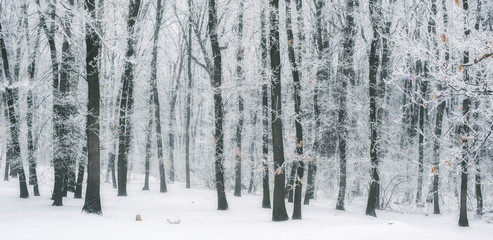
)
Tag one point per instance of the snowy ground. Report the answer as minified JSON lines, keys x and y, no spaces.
{"x":35,"y":218}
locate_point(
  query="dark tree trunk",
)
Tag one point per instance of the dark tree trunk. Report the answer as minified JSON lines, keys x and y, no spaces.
{"x":477,"y":184}
{"x":464,"y":136}
{"x":8,"y":154}
{"x":373,"y":195}
{"x":240,"y":79}
{"x":279,"y":208}
{"x":155,"y":96}
{"x":92,"y":203}
{"x":222,"y":203}
{"x":126,"y":102}
{"x":463,"y":222}
{"x":436,"y":156}
{"x":265,"y":112}
{"x":189,"y":93}
{"x":438,"y":123}
{"x":478,"y":157}
{"x":65,"y":110}
{"x":347,"y":76}
{"x":112,"y":169}
{"x":16,"y":160}
{"x":80,"y":173}
{"x":298,"y":164}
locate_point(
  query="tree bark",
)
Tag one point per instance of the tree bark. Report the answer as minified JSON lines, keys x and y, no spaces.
{"x":148,"y":154}
{"x":222,"y":203}
{"x":321,"y":76}
{"x":252,"y":155}
{"x":347,"y":76}
{"x":240,"y":79}
{"x":279,"y":208}
{"x":33,"y":177}
{"x":188,"y":101}
{"x":422,"y":111}
{"x":92,"y":203}
{"x":126,"y":102}
{"x":373,"y":195}
{"x":155,"y":98}
{"x":16,"y":160}
{"x":265,"y":112}
{"x":464,"y":136}
{"x":80,"y":173}
{"x":58,"y":128}
{"x":298,"y":164}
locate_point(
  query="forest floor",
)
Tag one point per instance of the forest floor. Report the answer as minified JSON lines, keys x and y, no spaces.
{"x":195,"y":209}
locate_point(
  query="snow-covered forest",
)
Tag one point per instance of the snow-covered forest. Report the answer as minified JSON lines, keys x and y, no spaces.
{"x":330,"y":111}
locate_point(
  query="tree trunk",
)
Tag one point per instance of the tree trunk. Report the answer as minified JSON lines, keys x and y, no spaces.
{"x":422,"y":111}
{"x":172,"y":119}
{"x":279,"y":208}
{"x":16,"y":160}
{"x":80,"y":173}
{"x":189,"y":93}
{"x":240,"y":79}
{"x":92,"y":203}
{"x":436,"y":156}
{"x":265,"y":112}
{"x":222,"y":203}
{"x":464,"y":136}
{"x":373,"y":195}
{"x":298,"y":164}
{"x":65,"y":108}
{"x":126,"y":102}
{"x":478,"y":157}
{"x":463,"y":222}
{"x":252,"y":155}
{"x":347,"y":76}
{"x":321,"y":76}
{"x":58,"y":128}
{"x":112,"y":169}
{"x":148,"y":154}
{"x":33,"y":177}
{"x":155,"y":97}
{"x":477,"y":184}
